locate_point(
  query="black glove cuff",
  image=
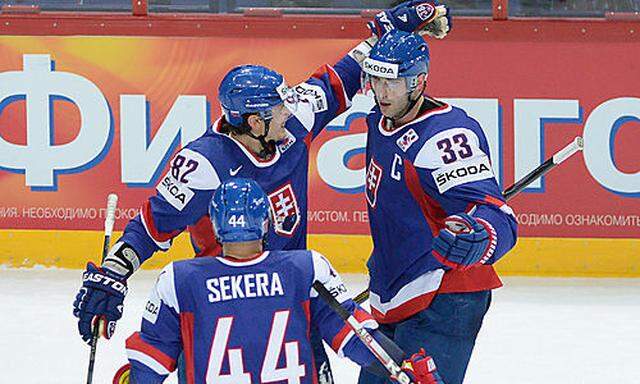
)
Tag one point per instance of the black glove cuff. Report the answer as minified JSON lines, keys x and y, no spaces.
{"x":122,"y":260}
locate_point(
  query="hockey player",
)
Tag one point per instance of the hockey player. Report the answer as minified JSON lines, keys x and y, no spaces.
{"x":437,"y":217}
{"x":245,"y":317}
{"x":264,"y":134}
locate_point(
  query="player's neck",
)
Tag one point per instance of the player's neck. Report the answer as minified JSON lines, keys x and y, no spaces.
{"x":244,"y":250}
{"x":409,"y":116}
{"x":250,"y":143}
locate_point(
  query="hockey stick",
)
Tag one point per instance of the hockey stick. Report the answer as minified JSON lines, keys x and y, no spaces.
{"x":575,"y":146}
{"x":112,"y":201}
{"x":372,"y":344}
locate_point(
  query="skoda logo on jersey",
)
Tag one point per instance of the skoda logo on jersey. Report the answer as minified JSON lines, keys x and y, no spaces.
{"x":286,"y":215}
{"x":380,"y":68}
{"x":374,"y":175}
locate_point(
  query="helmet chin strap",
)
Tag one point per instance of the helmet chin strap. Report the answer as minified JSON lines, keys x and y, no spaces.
{"x":268,"y":147}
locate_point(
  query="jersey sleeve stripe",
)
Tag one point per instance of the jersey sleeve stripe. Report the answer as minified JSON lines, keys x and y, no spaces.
{"x":488,"y":199}
{"x":162,"y":239}
{"x":145,"y":353}
{"x":336,"y":85}
{"x":494,"y":201}
{"x":147,"y":361}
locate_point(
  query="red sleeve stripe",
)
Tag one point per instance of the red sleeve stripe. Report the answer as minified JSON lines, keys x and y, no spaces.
{"x":341,"y":338}
{"x":147,"y":354}
{"x":494,"y":201}
{"x":336,"y":85}
{"x":160,"y":238}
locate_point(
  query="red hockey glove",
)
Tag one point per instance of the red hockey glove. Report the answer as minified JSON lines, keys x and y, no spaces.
{"x":421,"y":369}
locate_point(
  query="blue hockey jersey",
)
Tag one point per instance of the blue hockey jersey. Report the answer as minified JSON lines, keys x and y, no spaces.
{"x":243,"y":321}
{"x":183,"y":194}
{"x":418,"y":174}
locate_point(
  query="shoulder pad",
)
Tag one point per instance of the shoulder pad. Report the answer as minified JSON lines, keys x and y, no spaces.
{"x":189,"y":170}
{"x":448,"y":146}
{"x":455,"y":158}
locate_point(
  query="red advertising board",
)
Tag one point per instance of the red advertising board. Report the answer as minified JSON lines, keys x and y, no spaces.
{"x":84,"y":116}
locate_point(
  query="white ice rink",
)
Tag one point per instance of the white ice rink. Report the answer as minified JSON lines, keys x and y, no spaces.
{"x":570,"y":331}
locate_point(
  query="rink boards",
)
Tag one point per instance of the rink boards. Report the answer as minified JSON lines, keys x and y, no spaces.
{"x":568,"y":257}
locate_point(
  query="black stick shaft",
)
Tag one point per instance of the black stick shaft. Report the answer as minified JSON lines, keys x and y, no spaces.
{"x":112,"y":201}
{"x":395,"y":372}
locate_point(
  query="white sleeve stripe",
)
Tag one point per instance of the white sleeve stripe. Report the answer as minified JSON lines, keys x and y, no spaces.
{"x":167,"y":288}
{"x":320,"y":272}
{"x":148,"y":361}
{"x":164,"y":245}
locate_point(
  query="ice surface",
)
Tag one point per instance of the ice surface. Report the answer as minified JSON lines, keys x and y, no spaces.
{"x":537,"y":331}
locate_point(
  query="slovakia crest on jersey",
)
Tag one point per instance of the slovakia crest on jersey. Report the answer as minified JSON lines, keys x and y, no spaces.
{"x":286,"y":215}
{"x":374,"y":175}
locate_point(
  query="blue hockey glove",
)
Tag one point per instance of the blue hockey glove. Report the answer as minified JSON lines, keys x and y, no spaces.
{"x":465,"y":242}
{"x":100,"y":298}
{"x":420,"y":16}
{"x":421,"y":369}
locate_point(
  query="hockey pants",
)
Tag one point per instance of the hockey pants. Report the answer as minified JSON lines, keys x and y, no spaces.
{"x":447,"y":331}
{"x":321,"y":360}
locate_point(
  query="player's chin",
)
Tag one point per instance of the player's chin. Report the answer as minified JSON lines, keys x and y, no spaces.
{"x":388,"y":110}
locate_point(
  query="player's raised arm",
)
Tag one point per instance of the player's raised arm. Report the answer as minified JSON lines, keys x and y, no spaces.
{"x":329,"y":91}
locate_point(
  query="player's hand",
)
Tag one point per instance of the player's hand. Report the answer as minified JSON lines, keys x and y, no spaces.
{"x":421,"y":369}
{"x":464,"y":242}
{"x":423,"y":17}
{"x":100,"y":299}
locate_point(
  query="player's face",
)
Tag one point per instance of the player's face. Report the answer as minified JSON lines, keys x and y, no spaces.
{"x":391,"y":95}
{"x":280,"y":115}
